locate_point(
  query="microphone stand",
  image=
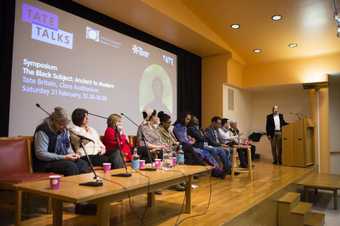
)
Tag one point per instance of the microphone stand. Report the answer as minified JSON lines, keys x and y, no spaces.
{"x":128,"y":118}
{"x":99,"y":116}
{"x":41,"y":108}
{"x":144,"y":140}
{"x":98,"y":182}
{"x":126,"y":174}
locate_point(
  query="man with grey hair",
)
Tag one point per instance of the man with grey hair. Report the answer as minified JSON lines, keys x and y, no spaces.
{"x":274,"y":125}
{"x":52,"y":148}
{"x":232,"y":137}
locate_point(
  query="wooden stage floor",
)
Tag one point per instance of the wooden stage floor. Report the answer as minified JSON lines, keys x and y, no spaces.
{"x":230,"y":199}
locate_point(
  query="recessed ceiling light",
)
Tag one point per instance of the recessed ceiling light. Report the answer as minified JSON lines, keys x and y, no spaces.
{"x":292,"y":45}
{"x":257,"y":50}
{"x":276,"y":17}
{"x":235,"y":26}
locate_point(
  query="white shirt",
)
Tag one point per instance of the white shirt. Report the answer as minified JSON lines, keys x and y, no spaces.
{"x":226,"y":136}
{"x":91,"y":148}
{"x":277,"y":122}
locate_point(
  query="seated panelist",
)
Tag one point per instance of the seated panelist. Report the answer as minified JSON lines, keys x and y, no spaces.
{"x":93,"y":146}
{"x":52,"y":150}
{"x":116,"y":140}
{"x":148,"y":131}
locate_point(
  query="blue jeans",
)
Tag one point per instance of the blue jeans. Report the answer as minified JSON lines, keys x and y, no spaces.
{"x":65,"y":167}
{"x":206,"y":156}
{"x":223,"y":154}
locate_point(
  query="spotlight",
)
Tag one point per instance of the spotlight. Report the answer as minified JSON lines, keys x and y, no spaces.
{"x":276,"y":17}
{"x":235,"y":26}
{"x":257,"y":50}
{"x":292,"y":45}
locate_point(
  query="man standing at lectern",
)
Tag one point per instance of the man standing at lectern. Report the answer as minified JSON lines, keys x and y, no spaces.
{"x":274,"y":125}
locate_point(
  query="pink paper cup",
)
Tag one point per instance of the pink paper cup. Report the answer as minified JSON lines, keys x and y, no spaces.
{"x":55,"y":182}
{"x":141,"y":164}
{"x":106,"y":167}
{"x":174,"y":161}
{"x":158,"y":163}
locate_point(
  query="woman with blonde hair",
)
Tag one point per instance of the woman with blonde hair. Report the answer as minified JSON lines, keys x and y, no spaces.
{"x":115,"y":138}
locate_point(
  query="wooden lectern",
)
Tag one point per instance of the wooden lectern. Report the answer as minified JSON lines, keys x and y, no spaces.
{"x":298,"y":143}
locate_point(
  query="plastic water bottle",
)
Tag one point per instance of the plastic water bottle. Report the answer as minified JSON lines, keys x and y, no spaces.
{"x":180,"y":156}
{"x":173,"y":158}
{"x":167,"y":162}
{"x":135,"y":160}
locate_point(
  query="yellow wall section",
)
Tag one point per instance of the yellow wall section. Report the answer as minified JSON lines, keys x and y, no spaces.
{"x":214,"y":74}
{"x":291,"y":71}
{"x":235,"y":73}
{"x":324,"y":127}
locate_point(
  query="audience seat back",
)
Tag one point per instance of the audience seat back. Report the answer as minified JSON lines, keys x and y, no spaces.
{"x":15,"y":155}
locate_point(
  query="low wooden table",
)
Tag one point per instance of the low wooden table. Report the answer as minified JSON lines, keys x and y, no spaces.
{"x":234,"y":166}
{"x":114,"y":189}
{"x":324,"y":182}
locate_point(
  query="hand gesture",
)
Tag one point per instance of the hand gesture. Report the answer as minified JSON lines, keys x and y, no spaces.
{"x":71,"y":157}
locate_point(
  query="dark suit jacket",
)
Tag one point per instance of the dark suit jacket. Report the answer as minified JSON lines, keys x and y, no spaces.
{"x":211,"y":138}
{"x":198,"y":135}
{"x":270,"y":124}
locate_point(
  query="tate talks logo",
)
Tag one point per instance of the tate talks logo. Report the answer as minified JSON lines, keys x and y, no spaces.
{"x":45,"y":27}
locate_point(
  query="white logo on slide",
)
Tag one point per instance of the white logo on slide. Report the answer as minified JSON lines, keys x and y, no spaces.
{"x":140,"y":51}
{"x":168,"y":59}
{"x":92,"y":34}
{"x":53,"y":37}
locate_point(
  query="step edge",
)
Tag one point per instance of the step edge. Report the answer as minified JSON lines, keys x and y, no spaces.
{"x":320,"y":218}
{"x":309,"y":206}
{"x":282,"y":200}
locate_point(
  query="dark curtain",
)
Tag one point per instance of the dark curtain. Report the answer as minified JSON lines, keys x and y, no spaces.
{"x":188,"y":64}
{"x":189,"y":84}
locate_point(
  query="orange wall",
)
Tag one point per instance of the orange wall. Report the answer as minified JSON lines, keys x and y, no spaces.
{"x":214,"y":74}
{"x":291,"y":71}
{"x":324,"y":131}
{"x":235,"y":73}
